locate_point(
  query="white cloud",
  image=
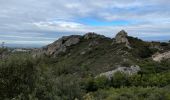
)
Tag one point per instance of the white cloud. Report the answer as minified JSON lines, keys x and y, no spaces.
{"x":54,"y":18}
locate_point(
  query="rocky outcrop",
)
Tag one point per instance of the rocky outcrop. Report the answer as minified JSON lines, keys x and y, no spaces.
{"x":126,"y":70}
{"x":121,"y":37}
{"x":59,"y":46}
{"x":92,"y":35}
{"x":161,"y":56}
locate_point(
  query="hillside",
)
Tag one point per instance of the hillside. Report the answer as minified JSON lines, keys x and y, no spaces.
{"x":89,"y":67}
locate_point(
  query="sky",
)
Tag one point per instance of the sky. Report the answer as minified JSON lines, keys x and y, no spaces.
{"x":40,"y":22}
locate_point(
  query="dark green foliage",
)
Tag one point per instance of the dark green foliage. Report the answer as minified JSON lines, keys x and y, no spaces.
{"x":123,"y":80}
{"x":164,"y":44}
{"x":89,"y":84}
{"x":148,"y":66}
{"x":67,"y":88}
{"x":72,"y":75}
{"x":140,"y":48}
{"x":119,"y":80}
{"x":17,"y":76}
{"x":133,"y":93}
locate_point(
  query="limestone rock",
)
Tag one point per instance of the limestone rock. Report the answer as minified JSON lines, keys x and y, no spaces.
{"x":121,"y":37}
{"x":72,"y":41}
{"x":161,"y":56}
{"x":126,"y":70}
{"x":59,"y":46}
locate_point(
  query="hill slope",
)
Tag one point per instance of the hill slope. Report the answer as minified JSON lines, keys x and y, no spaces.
{"x":81,"y":67}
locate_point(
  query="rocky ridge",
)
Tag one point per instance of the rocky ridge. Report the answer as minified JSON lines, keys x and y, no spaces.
{"x":60,"y":46}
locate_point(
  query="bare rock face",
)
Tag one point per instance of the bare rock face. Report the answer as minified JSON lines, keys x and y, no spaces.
{"x":161,"y":56}
{"x":59,"y":46}
{"x":126,"y":70}
{"x":121,"y":37}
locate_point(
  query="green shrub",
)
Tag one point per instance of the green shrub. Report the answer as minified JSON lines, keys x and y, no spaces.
{"x":101,"y":82}
{"x":133,"y":93}
{"x":119,"y":79}
{"x":17,"y":75}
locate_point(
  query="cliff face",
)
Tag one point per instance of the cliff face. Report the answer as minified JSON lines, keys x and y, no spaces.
{"x":60,"y":46}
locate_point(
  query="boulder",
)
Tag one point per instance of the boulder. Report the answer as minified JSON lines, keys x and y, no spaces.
{"x":161,"y":56}
{"x":121,"y":37}
{"x":126,"y":70}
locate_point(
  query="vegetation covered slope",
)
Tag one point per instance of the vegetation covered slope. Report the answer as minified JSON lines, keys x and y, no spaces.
{"x":71,"y":74}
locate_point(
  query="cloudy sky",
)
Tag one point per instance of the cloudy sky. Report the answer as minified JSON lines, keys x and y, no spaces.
{"x":40,"y":22}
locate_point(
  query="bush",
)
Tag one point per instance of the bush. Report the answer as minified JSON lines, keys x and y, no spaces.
{"x":119,"y":79}
{"x":132,"y":93}
{"x":101,"y":82}
{"x":89,"y":85}
{"x":164,"y":44}
{"x":67,"y":88}
{"x":17,"y":76}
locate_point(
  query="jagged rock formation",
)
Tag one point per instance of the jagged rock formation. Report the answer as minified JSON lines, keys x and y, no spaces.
{"x":161,"y":56}
{"x":92,"y":40}
{"x":121,"y":37}
{"x":126,"y":70}
{"x":59,"y":46}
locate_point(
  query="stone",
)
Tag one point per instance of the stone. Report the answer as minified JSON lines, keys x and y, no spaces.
{"x":83,"y":53}
{"x":161,"y":56}
{"x":126,"y":70}
{"x":72,"y":41}
{"x":121,"y":37}
{"x":59,"y":46}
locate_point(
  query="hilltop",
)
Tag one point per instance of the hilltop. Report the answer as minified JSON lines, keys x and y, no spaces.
{"x":98,"y":53}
